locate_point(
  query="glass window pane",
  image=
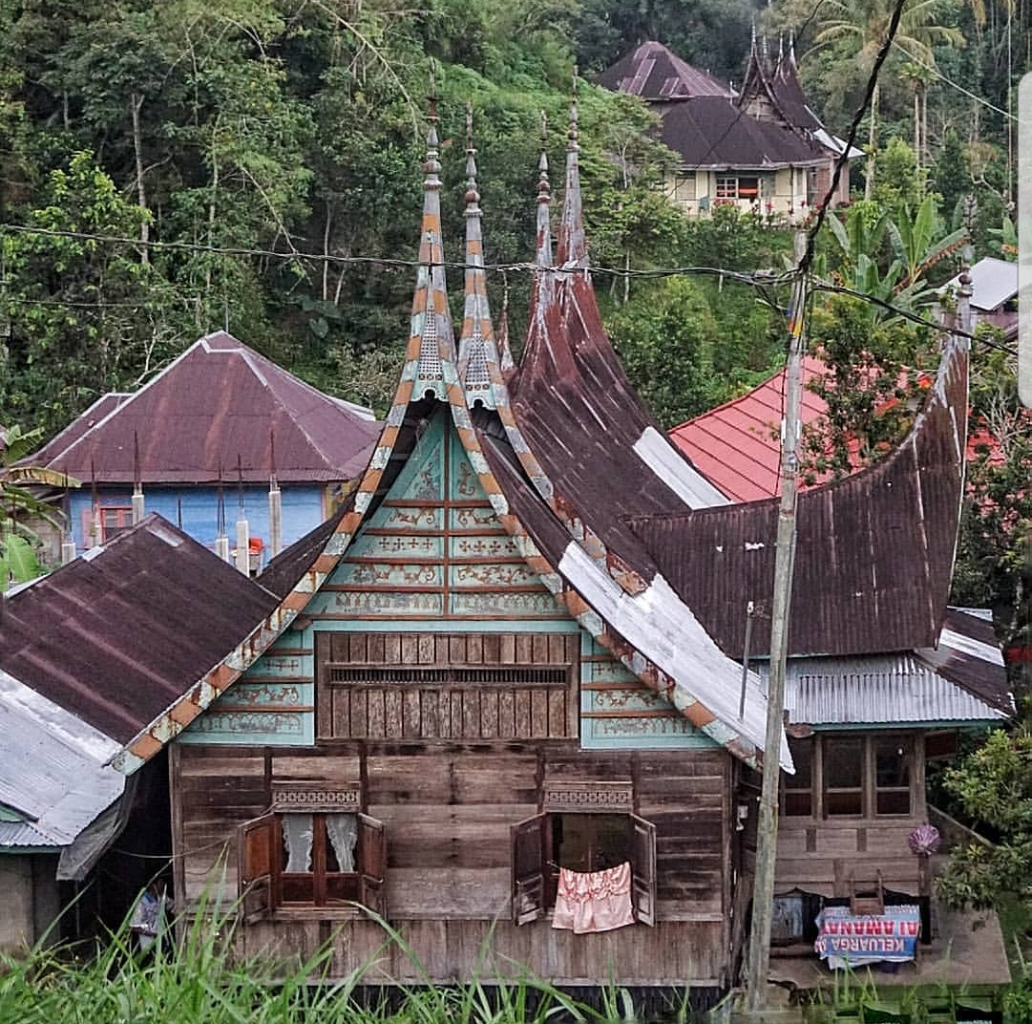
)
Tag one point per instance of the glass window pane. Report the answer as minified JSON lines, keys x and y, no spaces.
{"x":892,"y":762}
{"x":844,"y":802}
{"x":894,"y":801}
{"x":843,"y":762}
{"x":802,"y":756}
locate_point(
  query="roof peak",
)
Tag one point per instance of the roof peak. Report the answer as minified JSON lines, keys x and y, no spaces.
{"x":431,"y":319}
{"x":572,"y":248}
{"x":479,"y":365}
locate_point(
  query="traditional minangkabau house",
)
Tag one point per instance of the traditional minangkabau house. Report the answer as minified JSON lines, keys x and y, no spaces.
{"x":203,"y":443}
{"x":760,"y":148}
{"x":516,"y":652}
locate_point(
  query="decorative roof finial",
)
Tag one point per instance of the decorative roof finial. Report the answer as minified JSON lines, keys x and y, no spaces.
{"x":479,"y":364}
{"x":781,"y":48}
{"x":544,"y":202}
{"x":472,"y":195}
{"x":572,"y":246}
{"x":791,"y":48}
{"x":431,"y":323}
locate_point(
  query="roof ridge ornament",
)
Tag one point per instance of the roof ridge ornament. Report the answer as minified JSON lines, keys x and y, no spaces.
{"x":543,"y":256}
{"x":572,"y":248}
{"x":479,"y":364}
{"x":431,"y":320}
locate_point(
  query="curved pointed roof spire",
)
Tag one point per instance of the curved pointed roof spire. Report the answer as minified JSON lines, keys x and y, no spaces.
{"x":431,"y":320}
{"x":479,"y":363}
{"x":543,"y":256}
{"x":572,"y":248}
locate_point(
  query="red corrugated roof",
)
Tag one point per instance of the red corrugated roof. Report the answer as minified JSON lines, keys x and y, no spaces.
{"x":737,"y":446}
{"x":215,"y":405}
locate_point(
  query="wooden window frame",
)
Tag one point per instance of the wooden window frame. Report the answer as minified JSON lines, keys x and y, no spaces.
{"x":869,"y":781}
{"x":261,"y":865}
{"x":685,"y":181}
{"x":123,"y":514}
{"x":535,"y":875}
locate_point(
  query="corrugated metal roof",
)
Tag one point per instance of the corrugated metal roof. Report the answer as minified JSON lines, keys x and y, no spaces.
{"x":875,"y":550}
{"x":119,"y":634}
{"x":891,"y":689}
{"x":217,"y":404}
{"x":14,"y":834}
{"x":968,"y":654}
{"x":653,"y":72}
{"x":993,"y":282}
{"x":737,"y":446}
{"x":53,"y":768}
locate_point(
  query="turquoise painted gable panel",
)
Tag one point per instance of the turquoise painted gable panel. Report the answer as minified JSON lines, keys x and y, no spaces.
{"x":434,"y":558}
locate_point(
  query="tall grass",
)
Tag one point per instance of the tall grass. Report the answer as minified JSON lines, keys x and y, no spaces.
{"x":197,"y":980}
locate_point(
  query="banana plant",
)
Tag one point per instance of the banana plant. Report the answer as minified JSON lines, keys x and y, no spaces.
{"x":918,"y":242}
{"x":18,"y":502}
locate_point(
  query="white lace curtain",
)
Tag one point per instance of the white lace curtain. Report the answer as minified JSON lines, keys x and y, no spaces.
{"x":297,"y":842}
{"x":341,"y":830}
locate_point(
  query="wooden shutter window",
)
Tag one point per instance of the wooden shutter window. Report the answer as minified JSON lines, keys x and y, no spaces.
{"x":256,"y":852}
{"x":643,"y":870}
{"x":372,"y":864}
{"x":528,"y":869}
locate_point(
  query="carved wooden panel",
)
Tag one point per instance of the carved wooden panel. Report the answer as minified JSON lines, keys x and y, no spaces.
{"x":447,"y":686}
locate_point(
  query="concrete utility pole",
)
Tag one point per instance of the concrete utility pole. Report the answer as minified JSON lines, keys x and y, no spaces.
{"x":784,"y":562}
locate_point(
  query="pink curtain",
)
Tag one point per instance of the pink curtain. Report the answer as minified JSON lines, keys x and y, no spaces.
{"x":596,"y":901}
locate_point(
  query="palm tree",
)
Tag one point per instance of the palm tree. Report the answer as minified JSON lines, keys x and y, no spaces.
{"x":17,"y":502}
{"x":865,"y":23}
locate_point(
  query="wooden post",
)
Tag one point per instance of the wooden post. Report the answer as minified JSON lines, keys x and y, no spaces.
{"x":767,"y":834}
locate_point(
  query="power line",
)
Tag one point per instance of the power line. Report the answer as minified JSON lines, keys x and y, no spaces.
{"x":761,"y":280}
{"x":827,"y":286}
{"x":932,"y":69}
{"x":843,"y":160}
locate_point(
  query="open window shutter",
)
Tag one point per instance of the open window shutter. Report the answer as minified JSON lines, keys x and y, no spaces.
{"x":643,"y":869}
{"x":528,"y":869}
{"x":372,"y":864}
{"x":256,"y":864}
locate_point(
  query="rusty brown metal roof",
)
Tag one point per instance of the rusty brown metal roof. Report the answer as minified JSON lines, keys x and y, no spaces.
{"x":874,"y":553}
{"x":653,"y":72}
{"x":122,"y":632}
{"x":714,"y":132}
{"x":214,"y":406}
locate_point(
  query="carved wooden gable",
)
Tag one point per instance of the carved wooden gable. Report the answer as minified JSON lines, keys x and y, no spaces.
{"x":433,"y":627}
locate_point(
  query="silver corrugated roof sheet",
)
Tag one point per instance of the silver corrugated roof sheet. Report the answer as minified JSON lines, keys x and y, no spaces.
{"x":52,"y":768}
{"x":993,"y":282}
{"x":876,"y":690}
{"x":21,"y":833}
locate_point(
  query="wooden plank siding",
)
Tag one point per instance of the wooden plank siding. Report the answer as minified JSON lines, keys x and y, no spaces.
{"x":448,"y":809}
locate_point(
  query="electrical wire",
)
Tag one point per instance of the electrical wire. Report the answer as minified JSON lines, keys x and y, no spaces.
{"x":932,"y":69}
{"x":828,"y":286}
{"x":843,"y":160}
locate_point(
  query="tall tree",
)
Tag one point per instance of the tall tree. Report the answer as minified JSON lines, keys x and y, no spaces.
{"x":865,"y":25}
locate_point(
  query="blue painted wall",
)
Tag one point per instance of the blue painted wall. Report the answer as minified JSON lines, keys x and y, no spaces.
{"x":302,"y":510}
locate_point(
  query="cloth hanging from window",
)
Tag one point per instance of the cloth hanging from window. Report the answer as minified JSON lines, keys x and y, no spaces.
{"x":343,"y":832}
{"x":297,"y":842}
{"x":594,"y":901}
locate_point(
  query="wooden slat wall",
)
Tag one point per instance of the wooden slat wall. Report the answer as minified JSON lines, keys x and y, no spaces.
{"x":448,"y":808}
{"x":453,"y":711}
{"x":673,"y":953}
